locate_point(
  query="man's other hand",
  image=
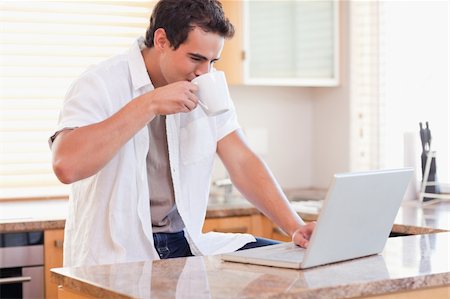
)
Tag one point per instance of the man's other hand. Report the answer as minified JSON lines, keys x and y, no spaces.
{"x":302,"y":235}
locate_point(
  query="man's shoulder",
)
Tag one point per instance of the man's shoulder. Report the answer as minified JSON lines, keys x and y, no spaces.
{"x":116,"y":65}
{"x":109,"y":77}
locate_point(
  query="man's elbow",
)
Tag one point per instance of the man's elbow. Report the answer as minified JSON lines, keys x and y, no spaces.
{"x":64,"y":172}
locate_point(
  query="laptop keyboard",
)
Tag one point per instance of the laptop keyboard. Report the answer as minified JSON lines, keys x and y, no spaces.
{"x":284,"y":251}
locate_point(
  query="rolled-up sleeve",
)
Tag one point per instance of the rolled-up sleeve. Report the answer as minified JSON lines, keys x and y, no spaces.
{"x":227,"y":122}
{"x":52,"y":138}
{"x":86,"y":102}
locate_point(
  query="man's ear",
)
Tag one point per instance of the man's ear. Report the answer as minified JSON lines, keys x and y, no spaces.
{"x":160,"y":40}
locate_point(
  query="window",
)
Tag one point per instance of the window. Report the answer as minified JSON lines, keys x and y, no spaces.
{"x":365,"y":91}
{"x":400,"y":75}
{"x":45,"y":45}
{"x":291,"y":42}
{"x":415,"y":54}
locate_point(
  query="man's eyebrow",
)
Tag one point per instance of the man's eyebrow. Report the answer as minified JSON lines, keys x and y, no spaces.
{"x":198,"y":56}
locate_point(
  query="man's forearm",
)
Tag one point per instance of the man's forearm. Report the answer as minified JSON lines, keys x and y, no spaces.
{"x":254,"y":180}
{"x":82,"y":152}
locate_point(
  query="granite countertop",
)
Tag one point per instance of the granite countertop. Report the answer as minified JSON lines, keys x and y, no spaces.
{"x":412,"y":218}
{"x":407,"y":263}
{"x":32,"y":215}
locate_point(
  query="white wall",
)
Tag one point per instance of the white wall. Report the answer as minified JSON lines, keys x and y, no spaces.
{"x":331,"y":121}
{"x":285,"y":115}
{"x":308,"y":129}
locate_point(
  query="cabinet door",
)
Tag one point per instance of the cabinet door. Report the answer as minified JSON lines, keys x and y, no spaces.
{"x":291,"y":42}
{"x":279,"y":235}
{"x":231,"y":61}
{"x":240,"y":224}
{"x":53,"y":258}
{"x":257,"y":225}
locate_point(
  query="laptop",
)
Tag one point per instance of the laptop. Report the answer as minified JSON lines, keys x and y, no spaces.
{"x":355,"y":221}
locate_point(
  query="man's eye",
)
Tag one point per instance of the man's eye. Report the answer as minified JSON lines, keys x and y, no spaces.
{"x":195,"y":58}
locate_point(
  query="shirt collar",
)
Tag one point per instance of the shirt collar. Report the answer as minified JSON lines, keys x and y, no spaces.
{"x":138,"y":71}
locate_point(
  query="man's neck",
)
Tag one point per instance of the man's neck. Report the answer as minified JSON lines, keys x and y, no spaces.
{"x":152,"y":66}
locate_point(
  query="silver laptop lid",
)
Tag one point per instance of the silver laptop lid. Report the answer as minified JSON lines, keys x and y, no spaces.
{"x":357,"y":215}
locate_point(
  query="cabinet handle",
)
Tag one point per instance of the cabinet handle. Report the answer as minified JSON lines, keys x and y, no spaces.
{"x":10,"y":280}
{"x":59,"y":243}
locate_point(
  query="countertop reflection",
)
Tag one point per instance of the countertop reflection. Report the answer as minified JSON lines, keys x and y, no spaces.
{"x":407,"y":263}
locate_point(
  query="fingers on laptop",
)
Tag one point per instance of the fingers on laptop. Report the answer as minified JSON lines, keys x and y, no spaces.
{"x":302,"y":235}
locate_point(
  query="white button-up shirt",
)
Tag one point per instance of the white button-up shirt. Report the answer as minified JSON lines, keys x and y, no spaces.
{"x":109,"y":213}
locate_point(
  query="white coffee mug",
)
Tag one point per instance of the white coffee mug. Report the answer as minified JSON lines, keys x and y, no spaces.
{"x":213,"y":95}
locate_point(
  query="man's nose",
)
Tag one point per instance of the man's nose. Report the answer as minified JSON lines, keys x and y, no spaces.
{"x":203,"y":68}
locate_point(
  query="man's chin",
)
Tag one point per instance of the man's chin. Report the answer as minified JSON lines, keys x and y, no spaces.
{"x":180,"y":80}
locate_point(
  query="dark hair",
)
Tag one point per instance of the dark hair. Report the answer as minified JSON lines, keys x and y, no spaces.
{"x":179,"y":17}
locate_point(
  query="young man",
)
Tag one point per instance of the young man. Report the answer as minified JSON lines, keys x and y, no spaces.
{"x":139,"y":152}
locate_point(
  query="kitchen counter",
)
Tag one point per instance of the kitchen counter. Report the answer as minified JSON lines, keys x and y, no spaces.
{"x":412,"y":263}
{"x":412,"y":218}
{"x":32,"y":215}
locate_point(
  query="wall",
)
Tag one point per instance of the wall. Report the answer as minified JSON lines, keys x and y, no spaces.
{"x":308,"y":129}
{"x":331,"y":121}
{"x":319,"y":119}
{"x":285,"y":115}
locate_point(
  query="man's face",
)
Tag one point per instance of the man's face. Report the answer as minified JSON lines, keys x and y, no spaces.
{"x":192,"y":58}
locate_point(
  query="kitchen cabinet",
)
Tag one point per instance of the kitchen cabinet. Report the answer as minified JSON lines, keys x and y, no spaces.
{"x":53,"y":258}
{"x":240,"y":224}
{"x":257,"y":225}
{"x":232,"y":58}
{"x":290,"y":43}
{"x":278,"y":234}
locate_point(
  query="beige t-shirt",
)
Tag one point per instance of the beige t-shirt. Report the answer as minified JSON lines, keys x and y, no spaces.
{"x":164,"y":213}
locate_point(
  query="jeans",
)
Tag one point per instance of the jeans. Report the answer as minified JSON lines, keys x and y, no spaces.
{"x":260,"y":242}
{"x":171,"y":245}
